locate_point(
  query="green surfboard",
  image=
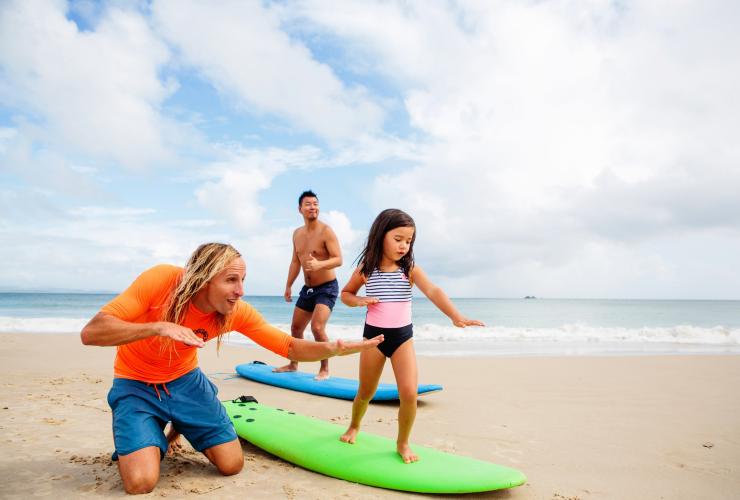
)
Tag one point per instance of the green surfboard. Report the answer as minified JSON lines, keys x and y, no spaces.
{"x":314,"y":444}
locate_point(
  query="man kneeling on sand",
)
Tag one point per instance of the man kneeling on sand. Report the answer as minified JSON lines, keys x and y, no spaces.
{"x":158,"y":324}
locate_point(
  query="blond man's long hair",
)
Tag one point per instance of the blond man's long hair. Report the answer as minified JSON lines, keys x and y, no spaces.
{"x":207,"y":261}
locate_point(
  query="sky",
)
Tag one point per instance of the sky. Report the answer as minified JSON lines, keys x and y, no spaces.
{"x":563,"y":149}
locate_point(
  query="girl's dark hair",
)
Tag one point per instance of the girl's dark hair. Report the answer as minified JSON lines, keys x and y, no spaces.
{"x":372,"y":254}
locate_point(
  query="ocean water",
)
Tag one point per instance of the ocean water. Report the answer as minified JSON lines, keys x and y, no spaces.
{"x":514,"y":327}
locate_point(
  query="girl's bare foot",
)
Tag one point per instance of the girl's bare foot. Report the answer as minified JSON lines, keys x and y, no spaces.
{"x":290,"y":367}
{"x":349,"y":436}
{"x":407,"y":455}
{"x":323,"y":375}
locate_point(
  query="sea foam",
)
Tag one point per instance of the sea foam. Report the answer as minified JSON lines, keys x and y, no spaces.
{"x":439,"y":339}
{"x":567,"y":339}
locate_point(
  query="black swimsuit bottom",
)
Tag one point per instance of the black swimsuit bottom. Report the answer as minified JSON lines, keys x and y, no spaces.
{"x":394,"y":337}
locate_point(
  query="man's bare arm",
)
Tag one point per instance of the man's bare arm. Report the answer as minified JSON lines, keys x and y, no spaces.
{"x":107,"y":330}
{"x":294,"y":269}
{"x":332,"y":248}
{"x":307,"y":350}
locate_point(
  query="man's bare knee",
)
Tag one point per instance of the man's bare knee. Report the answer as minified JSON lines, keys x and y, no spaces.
{"x":139,"y":483}
{"x":140,"y":470}
{"x":318,"y":329}
{"x":227,"y":457}
{"x":231,"y":466}
{"x":319,"y":333}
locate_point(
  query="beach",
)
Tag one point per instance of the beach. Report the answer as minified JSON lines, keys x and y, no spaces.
{"x":579,"y":427}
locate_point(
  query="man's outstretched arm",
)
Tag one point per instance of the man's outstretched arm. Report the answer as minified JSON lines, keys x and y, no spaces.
{"x":307,"y":350}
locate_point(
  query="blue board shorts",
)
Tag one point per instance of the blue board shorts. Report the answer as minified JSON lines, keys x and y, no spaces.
{"x":325,"y":293}
{"x":141,"y":412}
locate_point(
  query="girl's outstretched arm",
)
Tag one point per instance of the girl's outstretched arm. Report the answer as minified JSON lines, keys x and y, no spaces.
{"x":349,"y":292}
{"x":440,"y":299}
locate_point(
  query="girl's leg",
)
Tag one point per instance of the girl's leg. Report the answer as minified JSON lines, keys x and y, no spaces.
{"x":371,"y":367}
{"x":404,"y":368}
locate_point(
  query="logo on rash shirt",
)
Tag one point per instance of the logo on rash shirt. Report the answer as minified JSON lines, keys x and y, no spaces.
{"x":201,"y":333}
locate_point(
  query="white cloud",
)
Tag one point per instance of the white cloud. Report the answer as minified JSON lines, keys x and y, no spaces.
{"x":562,"y":148}
{"x":404,"y":41}
{"x":234,"y":185}
{"x":95,"y":248}
{"x":348,"y":237}
{"x":267,"y":254}
{"x":104,"y":212}
{"x":234,"y":196}
{"x":106,"y":247}
{"x":366,"y":150}
{"x":44,"y":168}
{"x":94,"y":93}
{"x":240,"y":48}
{"x":530,"y":109}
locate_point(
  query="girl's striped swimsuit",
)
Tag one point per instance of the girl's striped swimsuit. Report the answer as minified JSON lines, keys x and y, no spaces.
{"x":391,"y":316}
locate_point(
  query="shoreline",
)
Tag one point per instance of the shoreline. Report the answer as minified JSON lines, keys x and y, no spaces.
{"x":579,"y":427}
{"x":497,"y":341}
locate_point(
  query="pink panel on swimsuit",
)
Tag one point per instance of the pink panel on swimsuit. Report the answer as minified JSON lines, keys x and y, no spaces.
{"x":389,"y":314}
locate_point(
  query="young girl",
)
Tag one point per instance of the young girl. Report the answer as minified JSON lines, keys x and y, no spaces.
{"x":386,"y":268}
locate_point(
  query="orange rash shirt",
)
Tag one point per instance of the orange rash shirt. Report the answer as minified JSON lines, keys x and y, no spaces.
{"x":150,"y":359}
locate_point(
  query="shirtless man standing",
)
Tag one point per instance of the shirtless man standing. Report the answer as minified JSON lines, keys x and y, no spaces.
{"x":316,"y":250}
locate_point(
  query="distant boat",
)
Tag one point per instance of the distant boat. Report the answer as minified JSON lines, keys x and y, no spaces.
{"x":530,"y":297}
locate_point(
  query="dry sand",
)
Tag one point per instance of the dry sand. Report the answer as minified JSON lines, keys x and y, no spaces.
{"x":578,"y":427}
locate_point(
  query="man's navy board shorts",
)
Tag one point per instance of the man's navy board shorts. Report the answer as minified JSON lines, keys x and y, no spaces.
{"x":326,"y":294}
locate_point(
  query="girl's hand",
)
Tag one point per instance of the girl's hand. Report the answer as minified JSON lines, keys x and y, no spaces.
{"x":463,"y":322}
{"x":365,"y":301}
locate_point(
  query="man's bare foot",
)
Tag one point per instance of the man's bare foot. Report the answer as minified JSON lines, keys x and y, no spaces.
{"x":290,"y":367}
{"x":175,"y":446}
{"x":349,"y":436}
{"x":323,"y":375}
{"x":407,"y":455}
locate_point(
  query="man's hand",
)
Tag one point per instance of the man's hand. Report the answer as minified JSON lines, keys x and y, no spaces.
{"x":344,"y":347}
{"x":312,"y":263}
{"x":179,"y":333}
{"x":288,"y":295}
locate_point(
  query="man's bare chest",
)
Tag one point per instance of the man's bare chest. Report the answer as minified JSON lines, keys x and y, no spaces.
{"x":310,"y":244}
